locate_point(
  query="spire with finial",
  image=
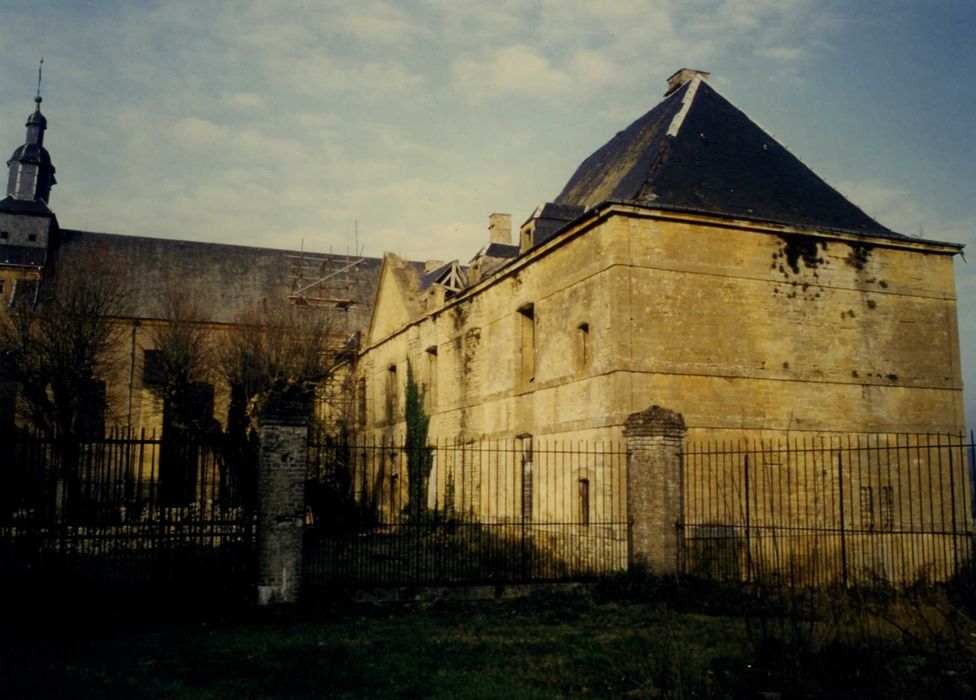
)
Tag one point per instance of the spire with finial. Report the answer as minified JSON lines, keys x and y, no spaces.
{"x":31,"y":174}
{"x":36,"y":123}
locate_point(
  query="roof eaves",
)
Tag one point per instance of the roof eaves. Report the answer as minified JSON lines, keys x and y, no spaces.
{"x":890,"y":235}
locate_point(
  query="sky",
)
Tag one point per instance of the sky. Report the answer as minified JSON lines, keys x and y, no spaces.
{"x":290,"y":124}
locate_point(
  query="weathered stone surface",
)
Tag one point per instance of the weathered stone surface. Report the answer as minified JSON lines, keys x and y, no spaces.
{"x":281,"y":510}
{"x":740,"y":327}
{"x":654,"y":422}
{"x":655,"y":488}
{"x":744,"y":330}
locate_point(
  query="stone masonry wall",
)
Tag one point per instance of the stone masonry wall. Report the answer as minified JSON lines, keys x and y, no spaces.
{"x":281,"y":508}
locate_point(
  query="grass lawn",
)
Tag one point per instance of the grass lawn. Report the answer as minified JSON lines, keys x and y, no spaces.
{"x":549,"y":645}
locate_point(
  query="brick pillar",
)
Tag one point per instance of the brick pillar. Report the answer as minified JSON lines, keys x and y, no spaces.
{"x":655,"y":488}
{"x":283,"y":434}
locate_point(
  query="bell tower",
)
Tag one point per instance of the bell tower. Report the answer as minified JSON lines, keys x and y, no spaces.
{"x":30,"y":172}
{"x":28,"y":228}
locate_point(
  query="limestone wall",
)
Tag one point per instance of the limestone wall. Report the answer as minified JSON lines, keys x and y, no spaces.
{"x":740,"y":328}
{"x":773,"y":331}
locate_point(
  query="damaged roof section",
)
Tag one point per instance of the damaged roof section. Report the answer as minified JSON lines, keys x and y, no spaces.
{"x":451,"y":275}
{"x":695,"y":150}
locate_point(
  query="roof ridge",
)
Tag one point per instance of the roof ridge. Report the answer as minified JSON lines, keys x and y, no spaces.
{"x":686,"y":101}
{"x":770,"y":134}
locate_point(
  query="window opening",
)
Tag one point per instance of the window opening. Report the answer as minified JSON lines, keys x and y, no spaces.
{"x":361,"y":400}
{"x":527,"y":335}
{"x":867,"y":508}
{"x":583,"y":346}
{"x":391,"y":392}
{"x":584,"y":501}
{"x":430,"y":398}
{"x":887,"y":506}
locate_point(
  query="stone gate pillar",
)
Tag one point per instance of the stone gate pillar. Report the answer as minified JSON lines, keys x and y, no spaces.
{"x":655,"y":488}
{"x":283,"y":435}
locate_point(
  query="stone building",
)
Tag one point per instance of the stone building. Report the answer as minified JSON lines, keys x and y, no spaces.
{"x":691,"y":262}
{"x":227,"y":284}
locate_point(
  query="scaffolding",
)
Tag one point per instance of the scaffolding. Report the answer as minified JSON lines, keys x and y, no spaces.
{"x":323,"y":281}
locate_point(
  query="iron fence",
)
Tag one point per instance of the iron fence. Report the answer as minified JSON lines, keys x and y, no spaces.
{"x":134,"y":510}
{"x":464,"y":512}
{"x":126,"y":510}
{"x":850,"y":509}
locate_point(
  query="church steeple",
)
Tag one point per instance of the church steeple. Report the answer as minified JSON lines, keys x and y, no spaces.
{"x":31,"y":174}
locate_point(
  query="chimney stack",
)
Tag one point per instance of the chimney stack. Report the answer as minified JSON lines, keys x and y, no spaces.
{"x":500,"y":229}
{"x":682,"y":76}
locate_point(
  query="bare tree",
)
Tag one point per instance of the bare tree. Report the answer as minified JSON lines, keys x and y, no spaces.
{"x":291,"y":355}
{"x":182,"y":352}
{"x":281,"y":351}
{"x":177,"y":368}
{"x":55,"y":351}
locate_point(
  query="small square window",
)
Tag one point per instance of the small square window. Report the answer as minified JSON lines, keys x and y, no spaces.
{"x":4,"y":236}
{"x":32,"y":237}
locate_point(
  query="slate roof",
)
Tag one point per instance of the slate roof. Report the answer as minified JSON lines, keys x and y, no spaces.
{"x":550,"y":218}
{"x":428,"y":278}
{"x":696,"y":151}
{"x":501,"y":250}
{"x":22,"y":255}
{"x":30,"y":207}
{"x":227,"y":280}
{"x":31,"y":153}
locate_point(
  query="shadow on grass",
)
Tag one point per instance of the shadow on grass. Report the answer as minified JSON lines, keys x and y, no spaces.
{"x":631,"y":635}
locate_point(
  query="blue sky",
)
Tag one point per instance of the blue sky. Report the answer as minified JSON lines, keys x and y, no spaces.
{"x":270,"y":123}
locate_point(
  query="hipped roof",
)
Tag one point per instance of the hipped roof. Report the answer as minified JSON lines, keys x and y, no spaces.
{"x":697,"y":151}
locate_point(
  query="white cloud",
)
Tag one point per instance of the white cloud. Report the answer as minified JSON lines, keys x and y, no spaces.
{"x":479,"y":23}
{"x":248,"y":100}
{"x":786,"y":54}
{"x":379,"y":22}
{"x":514,"y":69}
{"x":572,"y":47}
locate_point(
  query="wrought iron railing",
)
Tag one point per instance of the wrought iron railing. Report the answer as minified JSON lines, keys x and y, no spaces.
{"x":836,"y":508}
{"x":488,"y":511}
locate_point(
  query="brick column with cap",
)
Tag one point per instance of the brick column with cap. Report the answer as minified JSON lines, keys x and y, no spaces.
{"x":655,"y":488}
{"x":283,"y":433}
